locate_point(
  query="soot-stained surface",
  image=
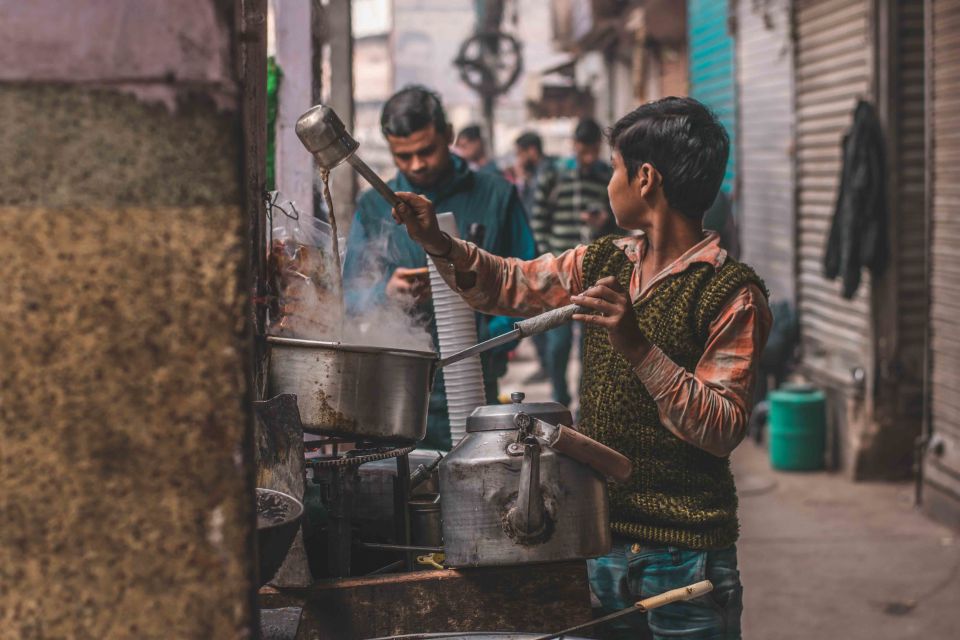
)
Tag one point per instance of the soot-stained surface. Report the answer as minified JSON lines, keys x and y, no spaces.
{"x":124,"y":510}
{"x":63,"y":145}
{"x":121,"y":419}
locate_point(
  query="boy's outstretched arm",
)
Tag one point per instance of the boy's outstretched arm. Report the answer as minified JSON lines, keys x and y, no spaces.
{"x":489,"y":283}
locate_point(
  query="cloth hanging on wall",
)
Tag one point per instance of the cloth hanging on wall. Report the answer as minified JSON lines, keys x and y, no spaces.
{"x":858,"y":233}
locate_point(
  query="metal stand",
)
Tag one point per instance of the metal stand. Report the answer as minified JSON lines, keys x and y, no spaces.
{"x":401,"y":510}
{"x":337,"y":473}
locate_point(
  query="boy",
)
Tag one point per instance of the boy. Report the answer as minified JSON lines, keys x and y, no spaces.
{"x":671,"y":353}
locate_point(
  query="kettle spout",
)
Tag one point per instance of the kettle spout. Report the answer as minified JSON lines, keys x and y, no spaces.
{"x":527,"y":518}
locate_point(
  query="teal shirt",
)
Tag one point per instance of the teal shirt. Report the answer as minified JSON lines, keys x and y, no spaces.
{"x":473,"y":197}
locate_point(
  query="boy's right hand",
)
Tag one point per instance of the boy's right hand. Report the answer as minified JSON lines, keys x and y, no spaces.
{"x":420,"y":219}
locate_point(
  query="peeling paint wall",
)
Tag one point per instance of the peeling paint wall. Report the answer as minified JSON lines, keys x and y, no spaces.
{"x":124,"y":483}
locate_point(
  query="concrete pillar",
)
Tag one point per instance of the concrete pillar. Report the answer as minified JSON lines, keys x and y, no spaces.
{"x":294,"y":56}
{"x":126,"y":506}
{"x":343,"y":182}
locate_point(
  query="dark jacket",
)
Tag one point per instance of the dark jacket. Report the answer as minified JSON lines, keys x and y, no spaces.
{"x":858,"y":233}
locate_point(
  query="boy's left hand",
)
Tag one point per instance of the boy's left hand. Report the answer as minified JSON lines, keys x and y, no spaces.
{"x":615,"y":314}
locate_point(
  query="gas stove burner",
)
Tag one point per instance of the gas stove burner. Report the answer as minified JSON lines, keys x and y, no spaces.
{"x":354,"y":457}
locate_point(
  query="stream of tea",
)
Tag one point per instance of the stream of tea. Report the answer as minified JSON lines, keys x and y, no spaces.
{"x":338,"y":270}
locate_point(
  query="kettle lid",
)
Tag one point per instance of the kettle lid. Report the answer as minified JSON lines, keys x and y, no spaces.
{"x":499,"y":417}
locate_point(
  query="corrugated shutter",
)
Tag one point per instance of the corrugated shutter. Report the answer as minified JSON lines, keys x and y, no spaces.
{"x":765,"y":87}
{"x":943,"y":471}
{"x":833,"y":69}
{"x":711,"y":68}
{"x":910,"y":232}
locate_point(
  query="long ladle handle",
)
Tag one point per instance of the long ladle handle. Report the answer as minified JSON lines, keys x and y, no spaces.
{"x":374,"y":180}
{"x":523,"y":329}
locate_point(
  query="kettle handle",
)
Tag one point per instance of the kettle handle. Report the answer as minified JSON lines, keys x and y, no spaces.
{"x":601,"y":458}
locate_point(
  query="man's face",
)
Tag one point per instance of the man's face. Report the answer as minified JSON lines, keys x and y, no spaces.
{"x":469,"y":150}
{"x":528,"y":157}
{"x":629,"y":207}
{"x":586,"y":154}
{"x":423,"y":156}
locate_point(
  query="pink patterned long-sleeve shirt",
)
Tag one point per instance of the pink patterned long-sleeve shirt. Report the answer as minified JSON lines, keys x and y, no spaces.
{"x":709,"y":407}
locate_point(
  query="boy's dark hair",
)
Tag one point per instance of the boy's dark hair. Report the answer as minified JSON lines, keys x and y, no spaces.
{"x":470,"y":132}
{"x":411,"y":109}
{"x":528,"y":140}
{"x":684,"y":141}
{"x":588,"y":132}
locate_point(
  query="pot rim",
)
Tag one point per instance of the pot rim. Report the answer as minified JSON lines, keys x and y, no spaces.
{"x":354,"y":348}
{"x":288,"y":498}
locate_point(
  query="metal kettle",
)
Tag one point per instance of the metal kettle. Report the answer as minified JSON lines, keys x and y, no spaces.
{"x":508,"y":498}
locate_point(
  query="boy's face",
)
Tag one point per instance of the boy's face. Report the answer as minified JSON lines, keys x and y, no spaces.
{"x":627,"y":198}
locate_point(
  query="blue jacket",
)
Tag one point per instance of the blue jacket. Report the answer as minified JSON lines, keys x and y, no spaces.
{"x":473,"y":197}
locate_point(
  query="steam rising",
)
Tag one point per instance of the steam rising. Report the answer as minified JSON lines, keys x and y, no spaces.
{"x":306,"y":289}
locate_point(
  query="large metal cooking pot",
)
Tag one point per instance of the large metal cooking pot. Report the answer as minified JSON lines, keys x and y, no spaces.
{"x":352,"y":391}
{"x":373,"y":392}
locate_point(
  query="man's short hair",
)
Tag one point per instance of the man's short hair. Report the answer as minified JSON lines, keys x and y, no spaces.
{"x":683,"y":140}
{"x":470,"y":132}
{"x":588,"y":132}
{"x":530,"y":140}
{"x":411,"y":109}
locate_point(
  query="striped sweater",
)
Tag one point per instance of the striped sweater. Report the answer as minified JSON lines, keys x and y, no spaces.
{"x":560,"y":200}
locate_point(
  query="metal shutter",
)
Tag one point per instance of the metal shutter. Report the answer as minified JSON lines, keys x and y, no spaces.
{"x":765,"y":79}
{"x":943,"y":471}
{"x":711,"y":68}
{"x":908,"y":160}
{"x":833,"y":69}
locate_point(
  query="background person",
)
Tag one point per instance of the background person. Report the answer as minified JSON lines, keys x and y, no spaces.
{"x":471,"y":147}
{"x":565,"y":202}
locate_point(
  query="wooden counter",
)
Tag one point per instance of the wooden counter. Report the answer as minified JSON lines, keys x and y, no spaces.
{"x":537,"y":598}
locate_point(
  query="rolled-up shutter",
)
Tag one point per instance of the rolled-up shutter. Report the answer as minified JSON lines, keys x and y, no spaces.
{"x":833,"y":69}
{"x":942,"y":467}
{"x":765,"y":89}
{"x":711,"y":68}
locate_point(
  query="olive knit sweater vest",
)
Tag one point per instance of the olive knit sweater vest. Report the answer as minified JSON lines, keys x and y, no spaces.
{"x":678,"y":494}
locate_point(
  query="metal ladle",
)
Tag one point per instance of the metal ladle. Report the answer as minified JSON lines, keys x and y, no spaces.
{"x":324,"y":135}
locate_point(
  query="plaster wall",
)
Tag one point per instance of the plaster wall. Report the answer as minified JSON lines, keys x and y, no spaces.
{"x":125,"y":481}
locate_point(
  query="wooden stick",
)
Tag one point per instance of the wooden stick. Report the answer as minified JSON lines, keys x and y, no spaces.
{"x":675,"y":595}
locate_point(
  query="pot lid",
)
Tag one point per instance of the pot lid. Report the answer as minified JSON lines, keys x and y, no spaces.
{"x":499,"y":417}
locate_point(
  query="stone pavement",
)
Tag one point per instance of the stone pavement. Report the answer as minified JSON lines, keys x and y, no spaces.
{"x":822,"y":557}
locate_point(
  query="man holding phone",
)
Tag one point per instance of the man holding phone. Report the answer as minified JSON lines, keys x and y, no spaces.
{"x":418,"y":133}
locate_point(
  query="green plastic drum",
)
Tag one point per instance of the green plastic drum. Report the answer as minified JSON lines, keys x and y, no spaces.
{"x":798,"y":428}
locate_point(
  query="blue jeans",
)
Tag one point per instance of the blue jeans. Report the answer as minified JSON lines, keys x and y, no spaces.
{"x":559,"y":342}
{"x":632,"y":572}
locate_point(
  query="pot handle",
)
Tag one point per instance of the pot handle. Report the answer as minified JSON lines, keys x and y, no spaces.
{"x":523,"y":329}
{"x":549,"y":320}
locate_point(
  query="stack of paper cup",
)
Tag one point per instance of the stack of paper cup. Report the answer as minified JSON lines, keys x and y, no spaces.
{"x":456,"y":330}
